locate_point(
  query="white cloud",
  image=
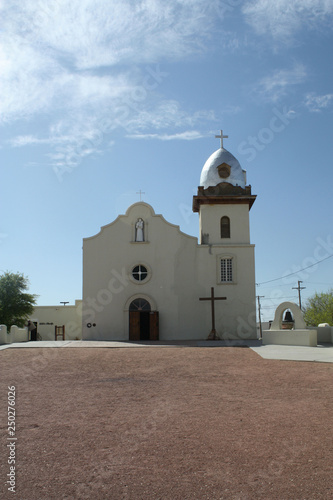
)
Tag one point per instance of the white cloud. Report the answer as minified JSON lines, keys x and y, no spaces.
{"x":50,"y":51}
{"x":317,"y":103}
{"x":71,"y":140}
{"x":26,"y":140}
{"x":33,"y":83}
{"x":276,"y":85}
{"x":188,"y":135}
{"x":92,"y":62}
{"x":93,"y":33}
{"x":28,"y":79}
{"x":231,"y":110}
{"x":165,"y":114}
{"x":283,"y":18}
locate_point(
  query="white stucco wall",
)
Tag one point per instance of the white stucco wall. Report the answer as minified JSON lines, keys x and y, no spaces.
{"x":49,"y":316}
{"x":324,"y":333}
{"x":210,"y":218}
{"x":14,"y":334}
{"x":5,"y":337}
{"x":19,"y":334}
{"x":180,"y":271}
{"x":290,"y":337}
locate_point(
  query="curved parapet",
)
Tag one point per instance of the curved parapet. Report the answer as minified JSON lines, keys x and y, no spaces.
{"x":296,"y":312}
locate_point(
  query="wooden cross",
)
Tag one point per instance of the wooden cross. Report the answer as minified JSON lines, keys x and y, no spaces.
{"x":140,"y":193}
{"x":221,"y":136}
{"x":212,"y":298}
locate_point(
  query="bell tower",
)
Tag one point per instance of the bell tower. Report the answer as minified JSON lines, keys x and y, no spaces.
{"x":223,"y":200}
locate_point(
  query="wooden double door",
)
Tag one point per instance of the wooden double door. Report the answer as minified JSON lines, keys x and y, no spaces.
{"x":143,"y":325}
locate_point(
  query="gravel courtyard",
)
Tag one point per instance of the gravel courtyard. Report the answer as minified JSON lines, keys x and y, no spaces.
{"x":166,"y":423}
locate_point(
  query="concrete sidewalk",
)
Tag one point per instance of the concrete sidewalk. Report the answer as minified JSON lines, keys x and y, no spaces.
{"x":322,"y":353}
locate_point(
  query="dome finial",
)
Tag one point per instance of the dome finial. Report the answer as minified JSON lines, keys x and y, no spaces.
{"x":221,"y":137}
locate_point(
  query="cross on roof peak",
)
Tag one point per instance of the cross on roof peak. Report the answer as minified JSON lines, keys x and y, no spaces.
{"x":140,"y":193}
{"x":221,"y":136}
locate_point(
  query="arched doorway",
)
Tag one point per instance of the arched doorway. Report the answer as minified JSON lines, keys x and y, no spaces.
{"x":143,"y":323}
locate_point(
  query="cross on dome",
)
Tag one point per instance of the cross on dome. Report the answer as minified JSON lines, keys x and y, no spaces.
{"x":221,"y":136}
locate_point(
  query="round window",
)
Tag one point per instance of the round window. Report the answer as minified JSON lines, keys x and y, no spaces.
{"x":139,"y":273}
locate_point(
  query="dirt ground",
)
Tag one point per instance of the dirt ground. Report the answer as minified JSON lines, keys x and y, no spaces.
{"x":166,"y":423}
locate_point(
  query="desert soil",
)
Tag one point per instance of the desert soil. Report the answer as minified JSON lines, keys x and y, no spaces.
{"x":166,"y":423}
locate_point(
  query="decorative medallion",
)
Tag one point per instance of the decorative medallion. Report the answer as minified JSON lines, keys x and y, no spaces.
{"x":224,"y":170}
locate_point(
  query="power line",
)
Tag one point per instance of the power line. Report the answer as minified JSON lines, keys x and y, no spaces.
{"x":296,"y":272}
{"x":316,"y":283}
{"x":272,"y":286}
{"x":279,"y":298}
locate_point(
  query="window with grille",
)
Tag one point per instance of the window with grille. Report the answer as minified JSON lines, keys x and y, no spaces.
{"x":139,"y":305}
{"x":225,"y":227}
{"x":139,"y":273}
{"x":226,"y":270}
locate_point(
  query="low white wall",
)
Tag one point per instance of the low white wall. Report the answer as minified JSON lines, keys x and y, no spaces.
{"x":19,"y":334}
{"x":15,"y":334}
{"x":5,"y":338}
{"x":324,"y":333}
{"x":290,"y":337}
{"x":47,"y":317}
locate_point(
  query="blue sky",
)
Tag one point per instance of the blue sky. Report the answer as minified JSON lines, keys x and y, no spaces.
{"x":100,"y":99}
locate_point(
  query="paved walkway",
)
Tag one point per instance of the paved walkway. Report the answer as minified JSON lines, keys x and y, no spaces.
{"x":322,"y":353}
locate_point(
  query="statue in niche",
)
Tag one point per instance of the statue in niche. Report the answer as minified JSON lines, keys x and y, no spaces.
{"x":139,"y":230}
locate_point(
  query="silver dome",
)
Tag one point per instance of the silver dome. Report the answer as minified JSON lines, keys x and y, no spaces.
{"x":210,"y":173}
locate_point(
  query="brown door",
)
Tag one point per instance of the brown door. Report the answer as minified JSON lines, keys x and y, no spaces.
{"x":134,"y":325}
{"x":154,"y":325}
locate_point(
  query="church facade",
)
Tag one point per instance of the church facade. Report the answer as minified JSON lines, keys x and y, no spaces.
{"x":143,"y":278}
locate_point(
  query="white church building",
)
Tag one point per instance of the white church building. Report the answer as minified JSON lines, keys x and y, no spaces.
{"x":143,"y":278}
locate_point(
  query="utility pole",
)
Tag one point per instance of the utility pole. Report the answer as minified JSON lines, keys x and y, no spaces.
{"x":259,"y":313}
{"x":299,"y":288}
{"x":64,"y":302}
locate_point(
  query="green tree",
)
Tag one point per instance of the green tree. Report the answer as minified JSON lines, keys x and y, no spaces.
{"x":319,"y":309}
{"x":15,"y":304}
